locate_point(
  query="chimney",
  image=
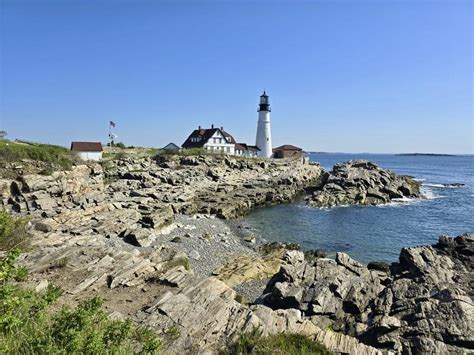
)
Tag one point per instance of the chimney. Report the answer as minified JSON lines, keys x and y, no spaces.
{"x":199,"y":127}
{"x":212,"y":126}
{"x":222,"y":128}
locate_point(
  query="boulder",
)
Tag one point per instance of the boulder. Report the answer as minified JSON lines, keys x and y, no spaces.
{"x":362,"y":182}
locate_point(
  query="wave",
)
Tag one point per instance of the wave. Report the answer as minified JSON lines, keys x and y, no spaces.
{"x":435,"y":185}
{"x":429,"y":194}
{"x":403,"y":201}
{"x":444,"y":186}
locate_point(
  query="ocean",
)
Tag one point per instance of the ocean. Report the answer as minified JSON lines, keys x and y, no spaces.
{"x":377,"y":233}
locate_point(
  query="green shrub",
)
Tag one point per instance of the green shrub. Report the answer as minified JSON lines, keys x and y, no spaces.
{"x":28,"y":325}
{"x":283,"y":343}
{"x":12,"y":231}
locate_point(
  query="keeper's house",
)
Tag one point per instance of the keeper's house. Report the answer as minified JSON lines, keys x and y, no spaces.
{"x":216,"y":140}
{"x":287,"y":151}
{"x":88,"y":150}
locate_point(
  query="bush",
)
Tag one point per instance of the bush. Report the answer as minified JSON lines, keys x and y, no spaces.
{"x":120,"y":145}
{"x":27,"y":324}
{"x":13,"y":232}
{"x":283,"y":343}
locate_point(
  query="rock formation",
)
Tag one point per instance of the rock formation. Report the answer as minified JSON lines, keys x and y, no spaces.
{"x":423,"y":304}
{"x":364,"y":183}
{"x":135,"y":198}
{"x":101,"y":229}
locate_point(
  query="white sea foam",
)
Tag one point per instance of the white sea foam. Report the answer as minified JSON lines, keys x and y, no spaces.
{"x":435,"y":185}
{"x":396,"y":202}
{"x":443,"y":186}
{"x":429,"y":194}
{"x":419,"y":179}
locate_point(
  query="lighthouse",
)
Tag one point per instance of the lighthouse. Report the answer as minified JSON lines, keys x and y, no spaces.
{"x":264,"y":133}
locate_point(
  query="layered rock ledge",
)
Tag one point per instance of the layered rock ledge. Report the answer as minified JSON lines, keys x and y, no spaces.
{"x":422,"y":304}
{"x":135,"y":198}
{"x":363,"y":183}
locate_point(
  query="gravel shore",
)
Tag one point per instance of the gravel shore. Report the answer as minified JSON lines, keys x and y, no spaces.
{"x":207,"y":241}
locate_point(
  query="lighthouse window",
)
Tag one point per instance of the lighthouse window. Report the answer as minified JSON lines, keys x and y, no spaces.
{"x":267,"y":139}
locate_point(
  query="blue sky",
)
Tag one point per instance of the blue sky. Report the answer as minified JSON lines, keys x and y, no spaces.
{"x":351,"y":76}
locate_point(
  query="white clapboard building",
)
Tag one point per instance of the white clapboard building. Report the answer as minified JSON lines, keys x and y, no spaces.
{"x":215,"y":140}
{"x":87,"y":150}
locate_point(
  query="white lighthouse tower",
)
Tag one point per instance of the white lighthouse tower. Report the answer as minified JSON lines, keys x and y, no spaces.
{"x":264,"y":133}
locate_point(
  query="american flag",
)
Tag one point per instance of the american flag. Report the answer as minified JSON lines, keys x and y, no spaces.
{"x":112,"y":124}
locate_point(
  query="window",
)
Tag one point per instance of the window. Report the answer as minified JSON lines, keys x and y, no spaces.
{"x":228,"y":149}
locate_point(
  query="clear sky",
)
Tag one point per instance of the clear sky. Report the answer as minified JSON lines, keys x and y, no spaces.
{"x":347,"y":76}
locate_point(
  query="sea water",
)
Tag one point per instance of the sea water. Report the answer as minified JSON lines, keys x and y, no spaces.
{"x":377,"y":233}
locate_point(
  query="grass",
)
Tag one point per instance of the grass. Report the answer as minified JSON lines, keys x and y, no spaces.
{"x":182,"y":261}
{"x":283,"y":343}
{"x":54,"y":157}
{"x":114,"y":155}
{"x":13,"y":232}
{"x":186,"y":152}
{"x":60,"y":263}
{"x":117,"y":153}
{"x":109,"y":180}
{"x":28,"y":325}
{"x":242,"y":299}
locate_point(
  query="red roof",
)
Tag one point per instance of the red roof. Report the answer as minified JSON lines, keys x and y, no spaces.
{"x":287,"y":147}
{"x":86,"y":146}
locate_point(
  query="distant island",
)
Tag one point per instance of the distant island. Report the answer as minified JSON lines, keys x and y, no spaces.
{"x":426,"y":154}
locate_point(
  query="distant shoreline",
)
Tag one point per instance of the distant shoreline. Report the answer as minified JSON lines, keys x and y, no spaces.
{"x":397,"y":154}
{"x":425,"y":154}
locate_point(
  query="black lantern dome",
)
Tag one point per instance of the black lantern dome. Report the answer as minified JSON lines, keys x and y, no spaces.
{"x":264,"y":103}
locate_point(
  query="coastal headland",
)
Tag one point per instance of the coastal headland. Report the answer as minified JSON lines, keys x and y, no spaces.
{"x":154,"y":236}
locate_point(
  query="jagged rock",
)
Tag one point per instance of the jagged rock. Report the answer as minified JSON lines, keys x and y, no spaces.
{"x":225,"y":319}
{"x":422,"y":304}
{"x":175,"y":277}
{"x":42,"y":285}
{"x":362,"y":182}
{"x":242,"y":269}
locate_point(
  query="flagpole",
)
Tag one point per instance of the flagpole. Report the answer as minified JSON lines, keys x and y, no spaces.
{"x":112,"y":136}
